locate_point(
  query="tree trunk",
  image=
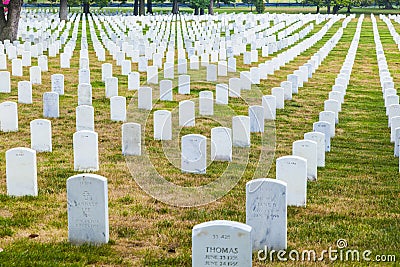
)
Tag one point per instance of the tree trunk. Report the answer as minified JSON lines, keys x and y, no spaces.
{"x":348,"y":9}
{"x":211,"y":7}
{"x":175,"y":7}
{"x":141,"y":8}
{"x":196,"y":10}
{"x":336,"y":9}
{"x":317,"y":10}
{"x":328,"y":9}
{"x":136,"y":8}
{"x":149,"y":6}
{"x":388,"y":4}
{"x":86,"y":7}
{"x":201,"y":11}
{"x":63,"y":10}
{"x":9,"y":25}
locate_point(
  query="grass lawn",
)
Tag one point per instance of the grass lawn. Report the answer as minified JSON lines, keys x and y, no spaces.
{"x":356,"y":197}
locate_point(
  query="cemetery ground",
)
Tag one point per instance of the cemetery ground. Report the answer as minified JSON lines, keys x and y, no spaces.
{"x":356,"y":197}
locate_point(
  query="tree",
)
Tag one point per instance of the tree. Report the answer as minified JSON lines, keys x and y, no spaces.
{"x":10,"y":12}
{"x":249,"y":3}
{"x":260,"y":6}
{"x":317,"y":3}
{"x":387,"y":4}
{"x":149,"y":7}
{"x":141,"y":8}
{"x":198,"y":6}
{"x":136,"y":8}
{"x":175,"y":7}
{"x":86,"y":4}
{"x":63,"y":10}
{"x":211,"y":7}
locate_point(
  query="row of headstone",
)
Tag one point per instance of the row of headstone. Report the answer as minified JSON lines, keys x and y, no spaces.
{"x":309,"y":154}
{"x":228,"y":59}
{"x":266,"y":202}
{"x":389,"y":93}
{"x":287,"y":88}
{"x":266,"y":205}
{"x":124,"y":48}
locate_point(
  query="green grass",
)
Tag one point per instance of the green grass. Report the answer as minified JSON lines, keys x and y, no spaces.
{"x":356,"y":196}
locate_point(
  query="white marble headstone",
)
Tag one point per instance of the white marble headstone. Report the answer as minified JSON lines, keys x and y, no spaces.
{"x":43,"y":63}
{"x":133,"y":81}
{"x":118,"y":108}
{"x":41,"y":138}
{"x":194,"y":153}
{"x":241,"y":131}
{"x":3,"y":61}
{"x":21,"y":172}
{"x":166,"y":90}
{"x":221,"y":94}
{"x":266,"y":213}
{"x":212,"y":73}
{"x":5,"y":82}
{"x":35,"y":75}
{"x":329,"y":116}
{"x":16,"y":67}
{"x":84,"y":118}
{"x":9,"y":116}
{"x":86,"y":152}
{"x":85,"y":94}
{"x":307,"y":149}
{"x":106,"y":71}
{"x":162,"y":125}
{"x":293,"y":171}
{"x":287,"y":89}
{"x":256,"y":114}
{"x":145,"y":98}
{"x":84,"y":76}
{"x":325,"y":128}
{"x":235,"y":85}
{"x":279,"y":94}
{"x":87,"y":202}
{"x":25,"y":92}
{"x":57,"y":83}
{"x":111,"y":87}
{"x":186,"y":113}
{"x":319,"y":138}
{"x":221,"y":243}
{"x":294,"y":79}
{"x":152,"y":74}
{"x":131,"y":139}
{"x":221,"y":144}
{"x":50,"y":105}
{"x":184,"y":84}
{"x":169,"y":72}
{"x":245,"y":80}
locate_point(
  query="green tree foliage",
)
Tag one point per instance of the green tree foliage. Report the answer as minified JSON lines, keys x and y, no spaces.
{"x":260,"y":6}
{"x":100,"y":3}
{"x":198,"y":4}
{"x":249,"y":3}
{"x":335,"y":5}
{"x":387,"y":4}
